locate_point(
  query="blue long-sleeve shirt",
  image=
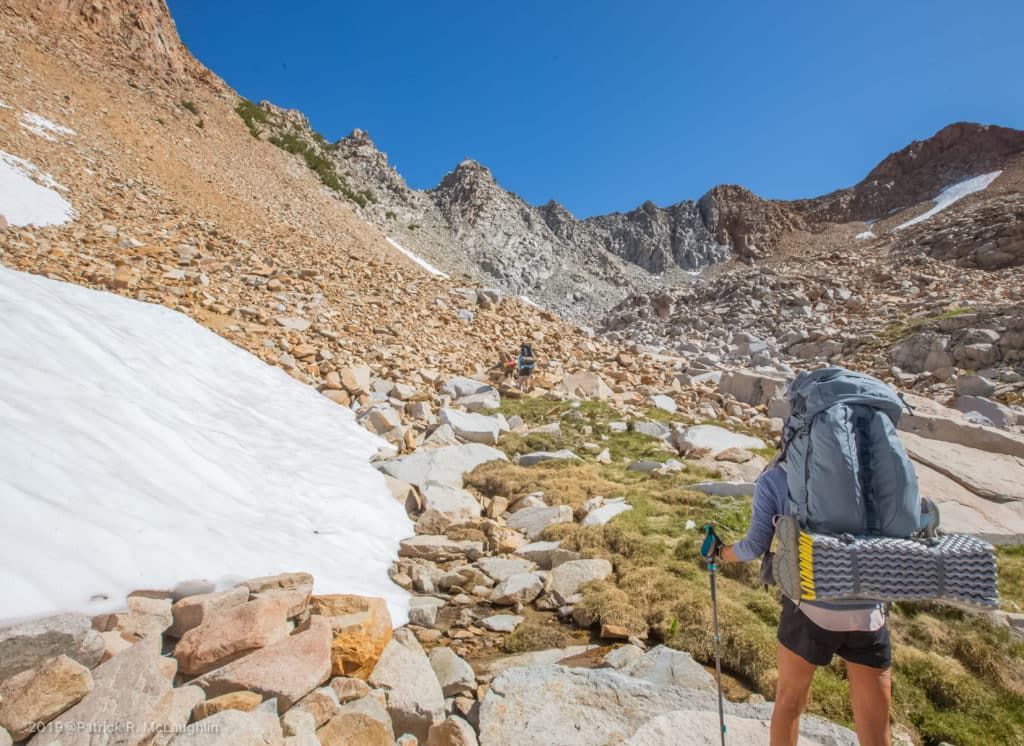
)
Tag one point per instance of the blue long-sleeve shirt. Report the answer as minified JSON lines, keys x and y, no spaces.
{"x":771,"y":498}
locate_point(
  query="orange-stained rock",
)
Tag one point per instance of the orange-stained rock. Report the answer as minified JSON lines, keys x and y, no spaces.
{"x":362,"y":629}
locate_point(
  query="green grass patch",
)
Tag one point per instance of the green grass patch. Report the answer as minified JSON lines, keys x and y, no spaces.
{"x":257,"y":120}
{"x":189,"y":106}
{"x":253,"y":115}
{"x":1011,"y":577}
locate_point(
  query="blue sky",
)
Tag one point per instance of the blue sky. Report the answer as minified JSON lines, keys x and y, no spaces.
{"x":602,"y":105}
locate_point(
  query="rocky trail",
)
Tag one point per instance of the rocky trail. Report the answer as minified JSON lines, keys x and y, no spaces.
{"x":437,"y":558}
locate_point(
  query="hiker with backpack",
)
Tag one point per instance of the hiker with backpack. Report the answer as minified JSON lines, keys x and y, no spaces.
{"x":842,"y":471}
{"x":524,"y":366}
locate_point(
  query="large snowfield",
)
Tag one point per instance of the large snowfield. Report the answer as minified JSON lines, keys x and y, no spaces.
{"x":951,"y":194}
{"x":139,"y":450}
{"x":30,"y":197}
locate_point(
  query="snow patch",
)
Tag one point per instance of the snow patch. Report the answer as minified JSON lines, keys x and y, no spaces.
{"x":141,"y":451}
{"x":44,"y":127}
{"x":527,"y":301}
{"x":952,"y":194}
{"x":4,"y":105}
{"x":863,"y":235}
{"x":422,"y":262}
{"x":28,"y":196}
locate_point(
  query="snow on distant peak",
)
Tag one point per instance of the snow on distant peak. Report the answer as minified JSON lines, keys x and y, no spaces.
{"x":142,"y":451}
{"x":44,"y":127}
{"x":951,"y":194}
{"x":421,"y":262}
{"x":30,"y":197}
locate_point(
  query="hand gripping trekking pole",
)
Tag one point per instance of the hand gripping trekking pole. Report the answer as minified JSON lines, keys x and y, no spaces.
{"x":709,"y":551}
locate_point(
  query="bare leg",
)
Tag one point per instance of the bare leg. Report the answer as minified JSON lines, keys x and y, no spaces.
{"x":871,"y":696}
{"x":795,"y":676}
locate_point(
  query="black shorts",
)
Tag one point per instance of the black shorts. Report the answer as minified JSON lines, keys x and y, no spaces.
{"x":817,"y":645}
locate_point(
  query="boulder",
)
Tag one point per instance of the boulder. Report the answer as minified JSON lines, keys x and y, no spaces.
{"x":380,"y":419}
{"x":489,"y":399}
{"x":231,"y":634}
{"x":233,"y":728}
{"x":975,"y":385}
{"x":752,"y":388}
{"x":454,"y":674}
{"x":964,"y":512}
{"x":533,"y":521}
{"x":361,"y":628}
{"x":349,"y":689}
{"x":438,"y":548}
{"x":529,"y":459}
{"x":521,"y":588}
{"x":132,"y":687}
{"x":414,"y":697}
{"x":569,"y":577}
{"x":38,"y":695}
{"x":501,"y":622}
{"x":667,"y":667}
{"x":604,"y":513}
{"x":460,"y":387}
{"x":243,"y":701}
{"x":28,"y":645}
{"x":445,"y":465}
{"x":702,"y":729}
{"x":712,"y":440}
{"x":623,"y":657}
{"x":474,"y":428}
{"x":665,"y":403}
{"x":454,"y":731}
{"x":502,"y":568}
{"x":297,"y":722}
{"x":191,"y":611}
{"x":998,"y":414}
{"x":287,"y":670}
{"x":933,"y":421}
{"x":658,"y":430}
{"x":924,"y":353}
{"x":540,"y":705}
{"x":993,"y":476}
{"x":452,"y":502}
{"x":586,"y":386}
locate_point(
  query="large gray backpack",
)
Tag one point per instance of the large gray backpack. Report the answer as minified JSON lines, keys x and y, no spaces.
{"x":847,"y":470}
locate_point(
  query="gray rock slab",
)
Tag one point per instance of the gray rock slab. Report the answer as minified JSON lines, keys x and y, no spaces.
{"x":28,"y":644}
{"x":445,"y":465}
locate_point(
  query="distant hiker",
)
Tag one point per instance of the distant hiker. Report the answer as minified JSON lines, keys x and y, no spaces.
{"x":841,"y":471}
{"x":524,"y":366}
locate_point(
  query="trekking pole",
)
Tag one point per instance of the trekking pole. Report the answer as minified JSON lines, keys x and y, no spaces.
{"x":709,"y":551}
